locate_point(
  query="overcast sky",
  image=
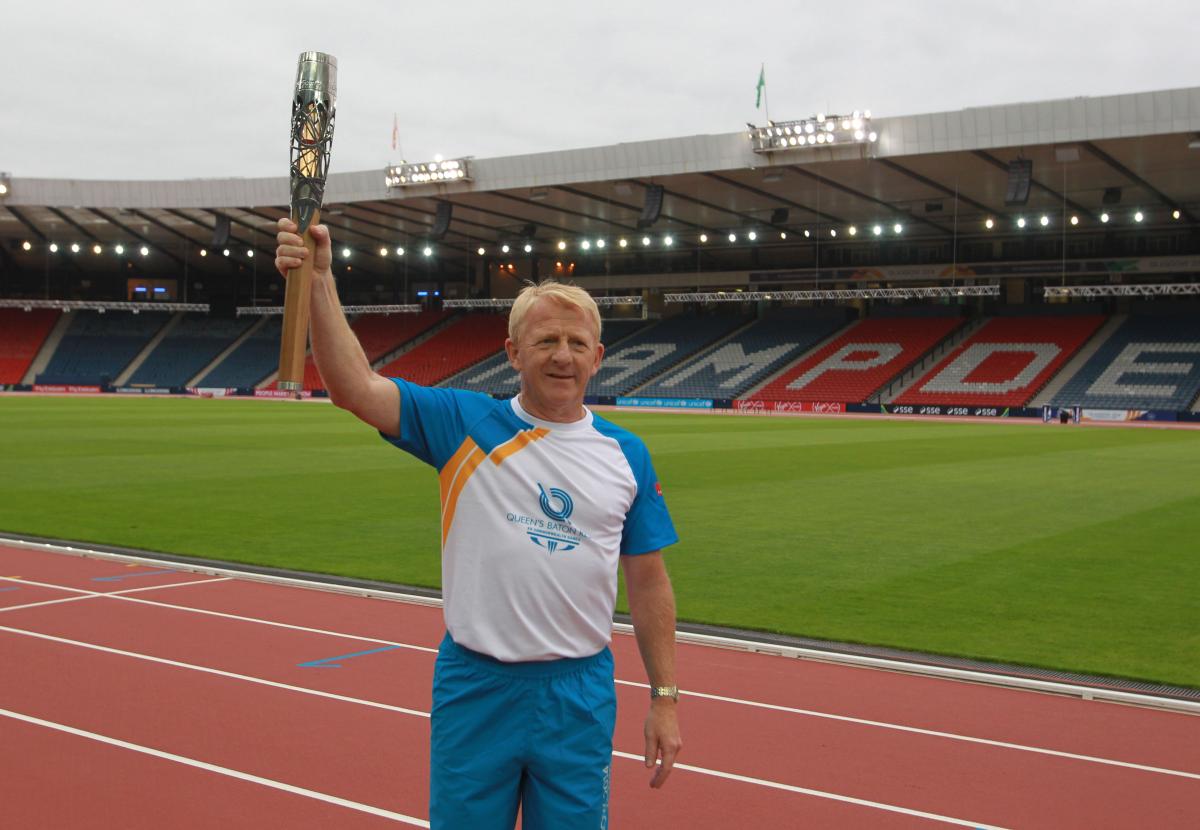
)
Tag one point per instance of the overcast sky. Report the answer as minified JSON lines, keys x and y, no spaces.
{"x":144,"y":90}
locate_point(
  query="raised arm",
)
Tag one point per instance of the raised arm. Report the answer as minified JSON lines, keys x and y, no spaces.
{"x":652,"y":606}
{"x":344,"y":368}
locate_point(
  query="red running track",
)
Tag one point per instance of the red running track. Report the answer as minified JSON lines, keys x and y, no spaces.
{"x":141,"y":697}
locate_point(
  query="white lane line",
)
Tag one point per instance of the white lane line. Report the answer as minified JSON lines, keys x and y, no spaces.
{"x":204,"y":611}
{"x":916,"y":730}
{"x":861,"y":802}
{"x":218,"y":672}
{"x":803,"y":712}
{"x":94,"y":594}
{"x":207,"y":767}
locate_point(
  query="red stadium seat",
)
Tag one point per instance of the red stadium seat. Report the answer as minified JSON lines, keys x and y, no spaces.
{"x":465,"y":341}
{"x":24,"y":334}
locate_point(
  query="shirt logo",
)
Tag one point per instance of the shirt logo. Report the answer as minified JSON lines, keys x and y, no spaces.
{"x":561,"y":508}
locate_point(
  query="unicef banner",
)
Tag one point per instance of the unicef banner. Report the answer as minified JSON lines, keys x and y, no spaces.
{"x":667,"y":403}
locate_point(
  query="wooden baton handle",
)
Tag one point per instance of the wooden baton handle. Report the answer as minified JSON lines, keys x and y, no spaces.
{"x":297,"y":301}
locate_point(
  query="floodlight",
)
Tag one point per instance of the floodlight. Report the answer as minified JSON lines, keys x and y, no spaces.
{"x":96,"y":249}
{"x":853,"y":231}
{"x":1104,"y":218}
{"x":427,"y":251}
{"x":504,"y":249}
{"x":989,"y":223}
{"x":752,"y":236}
{"x":399,"y":251}
{"x":1020,"y":221}
{"x":622,"y":242}
{"x":1175,"y":214}
{"x":1074,"y":220}
{"x":877,"y":230}
{"x":783,"y":234}
{"x":562,"y":246}
{"x":733,"y":237}
{"x":668,"y":241}
{"x":54,"y":247}
{"x":833,"y":232}
{"x":645,"y":240}
{"x":528,"y":247}
{"x":600,"y":243}
{"x":384,"y":252}
{"x":703,"y":238}
{"x":345,"y":253}
{"x":74,"y":247}
{"x":897,"y":228}
{"x":144,"y":251}
{"x":872,"y":136}
{"x":1138,"y":217}
{"x":250,"y":253}
{"x":587,"y":246}
{"x":28,"y":246}
{"x":807,"y":234}
{"x":1045,"y":220}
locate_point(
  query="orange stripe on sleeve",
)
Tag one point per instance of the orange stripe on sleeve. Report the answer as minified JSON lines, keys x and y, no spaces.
{"x":518,"y":442}
{"x":474,"y":459}
{"x":446,"y":475}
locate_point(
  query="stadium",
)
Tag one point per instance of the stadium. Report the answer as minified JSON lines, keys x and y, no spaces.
{"x":922,"y":391}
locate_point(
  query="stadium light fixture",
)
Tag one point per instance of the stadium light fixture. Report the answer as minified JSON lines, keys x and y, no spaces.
{"x":877,"y":230}
{"x":600,"y":243}
{"x":427,"y":251}
{"x":26,"y":245}
{"x":562,"y":246}
{"x":203,"y":252}
{"x":480,"y":250}
{"x":1074,"y":220}
{"x":821,"y":129}
{"x":1020,"y":221}
{"x":833,"y":232}
{"x":345,"y":253}
{"x":504,"y":249}
{"x":1104,"y":218}
{"x":118,"y":249}
{"x":752,"y":236}
{"x":668,"y":241}
{"x":1138,"y":217}
{"x":703,"y":238}
{"x":429,"y":172}
{"x":622,"y":242}
{"x":989,"y":223}
{"x":1175,"y":214}
{"x":645,"y":241}
{"x":733,"y":237}
{"x":3,"y":189}
{"x":225,"y":252}
{"x":74,"y":247}
{"x":852,"y":230}
{"x":399,"y":251}
{"x":783,"y":234}
{"x":1045,"y":220}
{"x":529,"y":248}
{"x":585,"y":244}
{"x":97,"y":249}
{"x":54,"y":247}
{"x":144,"y":251}
{"x":250,"y":253}
{"x":384,"y":251}
{"x":897,"y":228}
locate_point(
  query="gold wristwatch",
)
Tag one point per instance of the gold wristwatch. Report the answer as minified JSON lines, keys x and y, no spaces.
{"x":665,"y":691}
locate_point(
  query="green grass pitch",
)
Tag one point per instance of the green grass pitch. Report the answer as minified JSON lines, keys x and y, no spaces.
{"x":1066,"y":547}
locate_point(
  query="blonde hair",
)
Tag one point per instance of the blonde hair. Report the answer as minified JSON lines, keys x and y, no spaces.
{"x":561,"y":292}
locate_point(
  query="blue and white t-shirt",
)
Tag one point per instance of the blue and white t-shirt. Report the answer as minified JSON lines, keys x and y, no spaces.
{"x":535,"y":515}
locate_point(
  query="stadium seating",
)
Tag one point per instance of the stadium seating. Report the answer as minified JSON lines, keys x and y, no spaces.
{"x":379,"y":335}
{"x":859,"y":362}
{"x":24,"y":332}
{"x":96,"y":346}
{"x":747,"y":358}
{"x":657,"y":348}
{"x":1004,"y":363}
{"x":463,"y":343}
{"x":1150,"y":362}
{"x":496,"y":377}
{"x":187,"y":349}
{"x":250,"y":362}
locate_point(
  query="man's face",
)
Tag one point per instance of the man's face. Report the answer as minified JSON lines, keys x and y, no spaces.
{"x":557,"y":353}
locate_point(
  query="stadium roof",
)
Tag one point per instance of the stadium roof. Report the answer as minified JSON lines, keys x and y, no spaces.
{"x":936,"y":176}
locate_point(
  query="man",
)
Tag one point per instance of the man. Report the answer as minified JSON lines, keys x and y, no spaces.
{"x":540,"y":500}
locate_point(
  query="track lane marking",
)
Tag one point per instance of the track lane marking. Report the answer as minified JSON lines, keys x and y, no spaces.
{"x":743,"y":779}
{"x":861,"y":802}
{"x":418,"y":713}
{"x":121,"y":595}
{"x":207,"y":767}
{"x":94,"y":594}
{"x":218,"y":672}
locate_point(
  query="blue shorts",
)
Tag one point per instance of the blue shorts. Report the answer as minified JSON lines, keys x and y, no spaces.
{"x":537,"y":735}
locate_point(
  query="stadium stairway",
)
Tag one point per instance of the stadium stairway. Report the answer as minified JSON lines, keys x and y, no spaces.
{"x":127,"y":373}
{"x":49,"y":347}
{"x":228,"y":350}
{"x":1078,"y":361}
{"x":255,"y":357}
{"x":24,"y":332}
{"x":900,"y":384}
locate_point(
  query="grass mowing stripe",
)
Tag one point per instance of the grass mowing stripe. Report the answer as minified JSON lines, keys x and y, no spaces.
{"x":1062,"y":547}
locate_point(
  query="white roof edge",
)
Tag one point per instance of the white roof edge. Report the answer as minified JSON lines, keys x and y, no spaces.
{"x":1063,"y":120}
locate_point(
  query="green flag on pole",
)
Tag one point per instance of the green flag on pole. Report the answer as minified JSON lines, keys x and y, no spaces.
{"x":762,"y":83}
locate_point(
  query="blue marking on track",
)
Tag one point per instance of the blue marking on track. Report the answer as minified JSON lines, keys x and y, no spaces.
{"x":3,"y":590}
{"x":129,"y":576}
{"x":331,"y":662}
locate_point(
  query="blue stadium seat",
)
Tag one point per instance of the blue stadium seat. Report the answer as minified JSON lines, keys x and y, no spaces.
{"x":97,"y":347}
{"x":251,"y":362}
{"x":187,"y":349}
{"x":1150,"y":362}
